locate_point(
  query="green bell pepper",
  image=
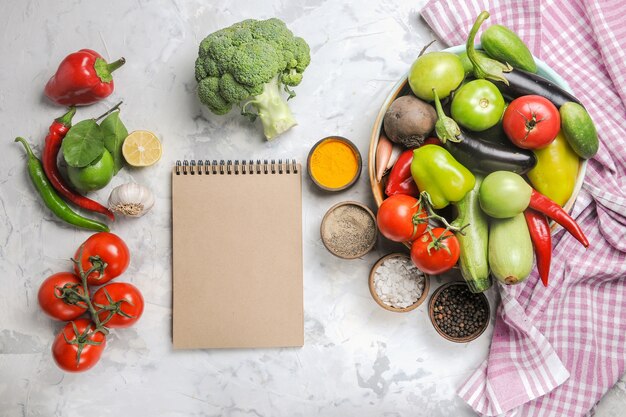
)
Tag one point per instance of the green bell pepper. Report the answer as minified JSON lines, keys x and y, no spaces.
{"x":440,"y":175}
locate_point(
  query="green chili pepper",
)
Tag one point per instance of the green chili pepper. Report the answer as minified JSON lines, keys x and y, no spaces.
{"x":52,"y":199}
{"x":440,"y":175}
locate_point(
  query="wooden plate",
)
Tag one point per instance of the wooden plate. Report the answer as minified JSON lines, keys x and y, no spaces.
{"x":402,"y":88}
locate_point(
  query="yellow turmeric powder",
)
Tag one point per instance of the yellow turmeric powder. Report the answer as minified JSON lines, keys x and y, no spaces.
{"x":333,"y":163}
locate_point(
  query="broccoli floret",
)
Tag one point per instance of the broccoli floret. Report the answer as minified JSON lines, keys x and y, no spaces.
{"x":248,"y":64}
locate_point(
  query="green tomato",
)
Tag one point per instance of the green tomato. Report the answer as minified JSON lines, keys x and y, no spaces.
{"x":477,"y":105}
{"x":94,"y":176}
{"x":504,"y":194}
{"x":442,"y":71}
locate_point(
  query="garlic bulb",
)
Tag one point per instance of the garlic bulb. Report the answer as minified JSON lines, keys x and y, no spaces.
{"x":131,"y":199}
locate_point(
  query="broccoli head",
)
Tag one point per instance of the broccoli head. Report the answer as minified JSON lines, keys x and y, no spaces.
{"x":247,"y":64}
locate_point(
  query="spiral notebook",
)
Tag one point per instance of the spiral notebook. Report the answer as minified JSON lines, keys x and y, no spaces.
{"x":237,"y":254}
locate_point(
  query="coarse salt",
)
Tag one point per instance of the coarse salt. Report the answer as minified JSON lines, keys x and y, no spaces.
{"x":398,"y":282}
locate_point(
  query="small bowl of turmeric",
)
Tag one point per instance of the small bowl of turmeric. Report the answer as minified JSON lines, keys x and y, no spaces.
{"x":334,"y":163}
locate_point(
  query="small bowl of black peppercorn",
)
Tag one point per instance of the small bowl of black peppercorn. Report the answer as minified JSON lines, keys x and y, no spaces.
{"x":458,"y":314}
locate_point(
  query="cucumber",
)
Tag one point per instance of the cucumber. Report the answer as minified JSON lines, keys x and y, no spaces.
{"x":503,"y":44}
{"x":510,"y":249}
{"x":579,"y":130}
{"x":473,"y":260}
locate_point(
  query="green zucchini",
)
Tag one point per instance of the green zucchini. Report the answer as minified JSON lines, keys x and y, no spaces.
{"x":579,"y":129}
{"x":503,"y":44}
{"x":510,"y":249}
{"x":473,"y":241}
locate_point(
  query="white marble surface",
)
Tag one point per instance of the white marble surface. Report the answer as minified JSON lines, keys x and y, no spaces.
{"x":357,"y":358}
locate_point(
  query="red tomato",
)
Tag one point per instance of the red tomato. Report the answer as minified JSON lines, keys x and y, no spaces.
{"x":439,"y":258}
{"x":109,"y":249}
{"x":124,"y":295}
{"x":58,"y":308}
{"x":531,"y":122}
{"x":66,"y":354}
{"x":399,"y":216}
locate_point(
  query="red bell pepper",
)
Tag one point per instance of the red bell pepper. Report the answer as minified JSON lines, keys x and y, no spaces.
{"x":57,"y":131}
{"x":544,"y":205}
{"x":400,"y":180}
{"x":539,"y":229}
{"x":82,"y":78}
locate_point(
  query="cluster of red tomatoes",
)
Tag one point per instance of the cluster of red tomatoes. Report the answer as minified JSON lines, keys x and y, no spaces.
{"x":403,"y":218}
{"x":68,"y":296}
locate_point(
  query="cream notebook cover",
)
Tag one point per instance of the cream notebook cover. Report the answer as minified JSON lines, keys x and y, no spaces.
{"x":237,"y":254}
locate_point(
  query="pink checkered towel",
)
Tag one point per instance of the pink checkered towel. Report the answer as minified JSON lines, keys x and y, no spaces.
{"x":557,"y":350}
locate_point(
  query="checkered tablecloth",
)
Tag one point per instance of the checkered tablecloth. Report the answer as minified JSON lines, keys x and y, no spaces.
{"x":557,"y":350}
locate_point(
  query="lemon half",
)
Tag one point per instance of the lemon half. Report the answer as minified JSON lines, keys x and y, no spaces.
{"x":141,"y":148}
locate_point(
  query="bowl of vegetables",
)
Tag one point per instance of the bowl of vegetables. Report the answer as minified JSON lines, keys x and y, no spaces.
{"x":496,"y":134}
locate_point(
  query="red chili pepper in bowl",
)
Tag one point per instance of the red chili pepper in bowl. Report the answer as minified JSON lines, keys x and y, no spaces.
{"x":539,"y":229}
{"x":82,"y":78}
{"x":57,"y":131}
{"x":400,"y":180}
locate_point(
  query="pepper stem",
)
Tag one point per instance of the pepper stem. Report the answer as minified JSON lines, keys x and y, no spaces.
{"x":29,"y":151}
{"x":103,"y":70}
{"x":116,"y":64}
{"x":66,"y":119}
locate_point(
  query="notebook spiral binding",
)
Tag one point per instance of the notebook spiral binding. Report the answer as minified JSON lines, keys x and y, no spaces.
{"x":236,"y":167}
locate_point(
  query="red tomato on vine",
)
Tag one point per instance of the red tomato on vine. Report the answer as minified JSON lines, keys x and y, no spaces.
{"x":106,"y":250}
{"x":125,"y":303}
{"x":52,"y":302}
{"x":77,"y":347}
{"x":438,"y":255}
{"x":401,"y":218}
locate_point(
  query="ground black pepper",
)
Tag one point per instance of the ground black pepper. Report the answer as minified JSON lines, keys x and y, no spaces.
{"x":349,"y":231}
{"x":458,"y":312}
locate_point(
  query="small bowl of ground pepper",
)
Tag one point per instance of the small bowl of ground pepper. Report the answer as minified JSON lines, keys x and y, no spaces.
{"x":334,"y":163}
{"x":458,"y":314}
{"x":349,"y":230}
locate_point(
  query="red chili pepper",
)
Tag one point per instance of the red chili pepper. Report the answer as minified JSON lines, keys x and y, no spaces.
{"x":539,"y":229}
{"x":82,"y":78}
{"x":544,"y":205}
{"x":400,"y":180}
{"x":57,"y":131}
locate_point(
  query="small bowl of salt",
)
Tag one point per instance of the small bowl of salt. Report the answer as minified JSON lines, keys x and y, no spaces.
{"x":396,"y":284}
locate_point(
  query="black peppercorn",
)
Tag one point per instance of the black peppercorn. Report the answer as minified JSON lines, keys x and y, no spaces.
{"x":459,"y":312}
